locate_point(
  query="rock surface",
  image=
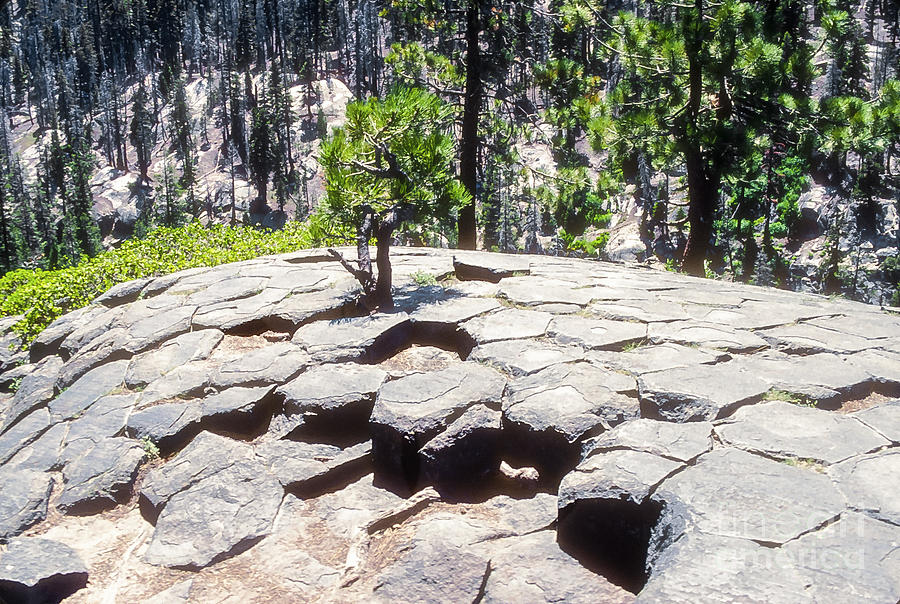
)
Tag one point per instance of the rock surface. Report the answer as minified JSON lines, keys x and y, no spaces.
{"x":23,"y":500}
{"x":101,"y":477}
{"x":40,"y":570}
{"x":542,"y":429}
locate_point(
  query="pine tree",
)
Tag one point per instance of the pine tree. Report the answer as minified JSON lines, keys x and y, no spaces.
{"x":80,"y":169}
{"x":9,"y":254}
{"x":711,"y":82}
{"x":141,"y":131}
{"x":390,"y":163}
{"x":262,"y":156}
{"x":185,"y":149}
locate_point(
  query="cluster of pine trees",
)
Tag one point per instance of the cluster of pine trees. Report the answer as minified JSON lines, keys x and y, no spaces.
{"x":714,"y":112}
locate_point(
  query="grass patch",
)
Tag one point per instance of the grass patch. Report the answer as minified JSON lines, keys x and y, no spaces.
{"x":805,"y":464}
{"x":632,"y":346}
{"x":788,"y":397}
{"x":44,"y":295}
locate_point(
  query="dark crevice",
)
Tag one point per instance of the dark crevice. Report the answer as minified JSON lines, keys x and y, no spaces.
{"x":389,"y":343}
{"x":314,"y":258}
{"x":396,"y":458}
{"x":728,"y":410}
{"x":766,"y":544}
{"x":483,"y":587}
{"x":610,"y":537}
{"x":173,"y":443}
{"x":818,"y":527}
{"x":411,"y":509}
{"x":447,"y":336}
{"x":251,"y":327}
{"x":856,"y":392}
{"x":873,"y":514}
{"x":255,"y":327}
{"x":244,"y":425}
{"x":467,"y":471}
{"x":333,"y":480}
{"x":473,"y":272}
{"x":112,"y":357}
{"x":239,"y":548}
{"x":50,"y":590}
{"x":342,"y":427}
{"x":149,"y":512}
{"x":548,"y":451}
{"x":649,"y":409}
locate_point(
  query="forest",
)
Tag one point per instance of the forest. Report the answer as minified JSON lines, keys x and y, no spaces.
{"x":751,"y":140}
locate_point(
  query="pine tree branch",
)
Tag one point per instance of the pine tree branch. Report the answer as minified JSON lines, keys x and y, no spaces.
{"x":360,"y":275}
{"x":392,"y":171}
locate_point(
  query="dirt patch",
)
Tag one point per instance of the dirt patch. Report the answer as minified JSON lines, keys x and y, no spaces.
{"x":858,"y":404}
{"x":233,"y":346}
{"x":111,"y":545}
{"x":420,"y":358}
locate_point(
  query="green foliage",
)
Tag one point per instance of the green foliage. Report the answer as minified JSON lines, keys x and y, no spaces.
{"x":44,"y":295}
{"x":576,"y":201}
{"x":847,"y":124}
{"x":412,"y":65}
{"x":793,"y":180}
{"x":632,"y":346}
{"x":151,"y":450}
{"x":424,"y":279}
{"x":412,"y":127}
{"x":594,"y":247}
{"x":788,"y":397}
{"x":261,"y":156}
{"x":891,"y":269}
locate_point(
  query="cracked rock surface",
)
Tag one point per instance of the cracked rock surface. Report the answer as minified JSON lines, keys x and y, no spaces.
{"x":530,"y":429}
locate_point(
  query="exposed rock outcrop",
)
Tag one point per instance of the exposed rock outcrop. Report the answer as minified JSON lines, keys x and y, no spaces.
{"x":529,"y":429}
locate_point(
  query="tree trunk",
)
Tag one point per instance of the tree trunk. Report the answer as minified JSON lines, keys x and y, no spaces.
{"x":703,"y":192}
{"x":363,"y":234}
{"x":468,"y":148}
{"x":4,"y":233}
{"x":382,"y":297}
{"x":259,"y":204}
{"x":702,"y":186}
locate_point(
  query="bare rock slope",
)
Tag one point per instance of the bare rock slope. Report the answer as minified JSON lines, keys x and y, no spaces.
{"x":530,"y":429}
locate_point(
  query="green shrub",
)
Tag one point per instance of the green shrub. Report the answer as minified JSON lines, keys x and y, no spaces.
{"x":423,"y":279}
{"x":778,"y":229}
{"x":591,"y":248}
{"x":151,"y":450}
{"x":44,"y":295}
{"x":598,"y":217}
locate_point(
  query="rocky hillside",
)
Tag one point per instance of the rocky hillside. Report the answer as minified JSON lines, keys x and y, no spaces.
{"x":119,"y":195}
{"x":522,"y":429}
